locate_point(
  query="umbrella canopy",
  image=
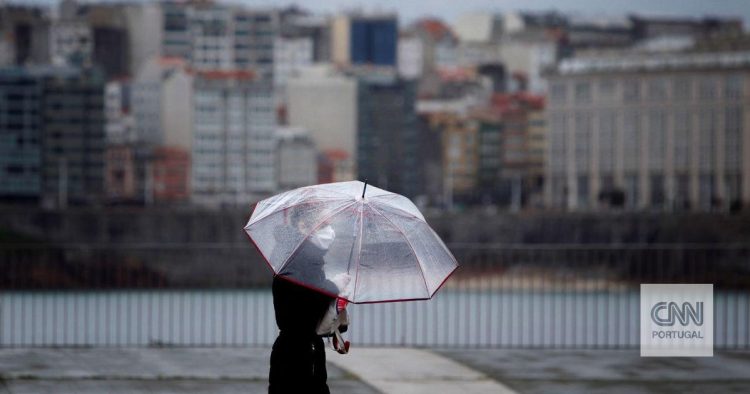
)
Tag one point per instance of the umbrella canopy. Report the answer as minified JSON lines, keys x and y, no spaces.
{"x":351,"y":240}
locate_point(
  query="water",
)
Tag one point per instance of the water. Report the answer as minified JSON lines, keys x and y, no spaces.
{"x":245,"y":318}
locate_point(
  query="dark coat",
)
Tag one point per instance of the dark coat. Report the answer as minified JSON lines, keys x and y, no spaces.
{"x":298,"y":361}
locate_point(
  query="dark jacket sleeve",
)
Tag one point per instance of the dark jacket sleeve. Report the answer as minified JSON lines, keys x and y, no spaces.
{"x":298,"y":309}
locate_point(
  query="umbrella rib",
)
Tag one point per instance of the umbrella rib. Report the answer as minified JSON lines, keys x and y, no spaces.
{"x":359,"y":250}
{"x":296,"y":248}
{"x":421,"y":267}
{"x":397,"y":208}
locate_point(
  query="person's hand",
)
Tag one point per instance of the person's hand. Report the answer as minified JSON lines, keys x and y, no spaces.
{"x":341,"y":304}
{"x":342,"y":282}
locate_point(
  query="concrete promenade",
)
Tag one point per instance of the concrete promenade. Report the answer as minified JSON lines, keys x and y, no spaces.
{"x":370,"y":370}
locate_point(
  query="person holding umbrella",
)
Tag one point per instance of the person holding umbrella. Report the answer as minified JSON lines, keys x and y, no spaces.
{"x":298,"y":361}
{"x":335,"y":243}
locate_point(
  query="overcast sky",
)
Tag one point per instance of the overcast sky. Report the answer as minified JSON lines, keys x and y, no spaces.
{"x":448,"y":9}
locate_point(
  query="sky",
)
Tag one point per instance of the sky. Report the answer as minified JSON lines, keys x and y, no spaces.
{"x":448,"y":10}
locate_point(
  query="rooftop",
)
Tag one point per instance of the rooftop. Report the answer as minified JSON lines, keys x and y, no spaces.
{"x":639,"y":62}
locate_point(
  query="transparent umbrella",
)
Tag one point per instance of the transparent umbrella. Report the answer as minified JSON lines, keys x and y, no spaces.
{"x":351,"y":240}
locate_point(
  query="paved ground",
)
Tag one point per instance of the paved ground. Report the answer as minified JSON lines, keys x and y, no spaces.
{"x":609,"y":371}
{"x":387,"y":370}
{"x":403,"y":370}
{"x":147,"y":370}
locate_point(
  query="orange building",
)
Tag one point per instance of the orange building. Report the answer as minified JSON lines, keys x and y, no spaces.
{"x":171,"y":174}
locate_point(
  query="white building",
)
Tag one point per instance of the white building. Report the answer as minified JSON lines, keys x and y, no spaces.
{"x":324,"y":101}
{"x":160,"y":103}
{"x":213,"y":36}
{"x":71,"y":39}
{"x":297,"y":163}
{"x":410,"y":56}
{"x":478,"y":27}
{"x":668,"y":131}
{"x":119,"y":126}
{"x":211,"y":39}
{"x":290,"y":55}
{"x":233,"y":150}
{"x":253,"y":32}
{"x":528,"y":54}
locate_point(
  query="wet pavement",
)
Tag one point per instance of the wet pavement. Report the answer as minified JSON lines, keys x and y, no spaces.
{"x":371,"y":370}
{"x":608,"y":371}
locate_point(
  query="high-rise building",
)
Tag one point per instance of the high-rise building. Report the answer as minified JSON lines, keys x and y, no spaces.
{"x":365,"y":40}
{"x":73,"y":136}
{"x":161,"y":103}
{"x":213,"y":36}
{"x":24,"y":35}
{"x":667,"y":130}
{"x":71,"y":38}
{"x":54,"y":143}
{"x":324,"y":101}
{"x":233,"y":151}
{"x":253,"y":34}
{"x":427,"y":46}
{"x":290,"y":55}
{"x":388,"y":133}
{"x":317,"y":28}
{"x":511,"y":154}
{"x":21,"y":95}
{"x":459,"y":135}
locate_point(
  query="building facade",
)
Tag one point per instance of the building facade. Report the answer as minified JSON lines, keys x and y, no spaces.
{"x":73,"y":137}
{"x":668,"y":131}
{"x":290,"y":55}
{"x":387,"y":133}
{"x":296,"y":158}
{"x":365,"y":40}
{"x":233,"y":148}
{"x":21,"y":95}
{"x":324,"y":102}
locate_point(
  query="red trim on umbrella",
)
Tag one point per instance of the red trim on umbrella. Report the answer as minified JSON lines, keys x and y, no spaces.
{"x":305,"y":285}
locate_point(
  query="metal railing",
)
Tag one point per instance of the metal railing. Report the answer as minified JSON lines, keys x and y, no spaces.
{"x":567,"y":296}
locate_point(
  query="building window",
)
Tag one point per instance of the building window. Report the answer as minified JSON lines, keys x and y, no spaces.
{"x":631,"y":190}
{"x":707,"y":136}
{"x":733,"y":185}
{"x":558,"y":131}
{"x":583,"y":93}
{"x":631,"y":91}
{"x":733,"y":87}
{"x":607,"y":89}
{"x":733,"y":138}
{"x":657,"y":139}
{"x":656,"y":187}
{"x":607,"y":141}
{"x":583,"y":190}
{"x":682,"y":191}
{"x":631,"y":140}
{"x":682,"y":139}
{"x":582,"y":140}
{"x":707,"y":88}
{"x":706,"y":191}
{"x":682,"y":89}
{"x":657,"y":89}
{"x":557,"y":93}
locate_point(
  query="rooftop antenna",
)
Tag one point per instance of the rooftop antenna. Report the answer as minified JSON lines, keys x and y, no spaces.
{"x":365,"y":188}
